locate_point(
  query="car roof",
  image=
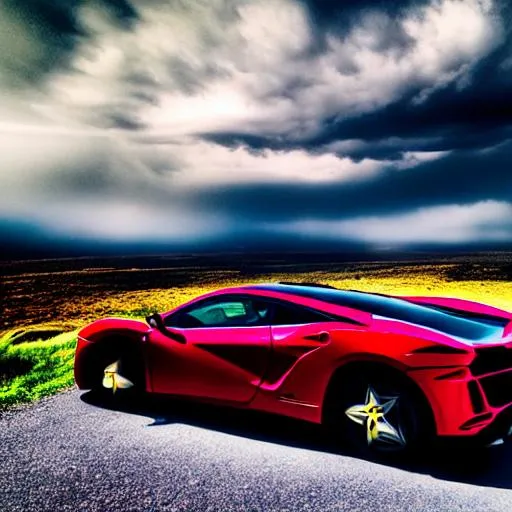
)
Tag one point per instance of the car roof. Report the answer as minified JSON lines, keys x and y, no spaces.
{"x":387,"y":306}
{"x":323,"y":292}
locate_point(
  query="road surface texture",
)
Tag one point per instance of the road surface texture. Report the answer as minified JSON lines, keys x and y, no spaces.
{"x":70,"y":453}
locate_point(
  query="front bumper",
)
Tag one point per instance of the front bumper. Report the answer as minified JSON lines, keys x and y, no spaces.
{"x":467,"y":405}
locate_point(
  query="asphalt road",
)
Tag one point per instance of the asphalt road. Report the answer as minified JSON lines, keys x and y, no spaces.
{"x":69,"y":453}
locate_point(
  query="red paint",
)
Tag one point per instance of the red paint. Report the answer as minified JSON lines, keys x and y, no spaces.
{"x":190,"y":369}
{"x":287,"y":369}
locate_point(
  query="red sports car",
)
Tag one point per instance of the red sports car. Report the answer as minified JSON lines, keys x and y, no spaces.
{"x":385,"y":372}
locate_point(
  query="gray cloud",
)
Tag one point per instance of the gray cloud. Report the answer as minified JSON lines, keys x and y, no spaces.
{"x":39,"y":36}
{"x":455,"y":179}
{"x":276,"y":119}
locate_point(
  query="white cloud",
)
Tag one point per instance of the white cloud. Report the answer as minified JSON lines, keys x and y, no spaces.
{"x":415,"y":158}
{"x":187,"y":68}
{"x":29,"y":157}
{"x":210,"y":66}
{"x":391,"y":145}
{"x":45,"y":166}
{"x":119,"y":220}
{"x":195,"y":67}
{"x":483,"y":221}
{"x":201,"y":164}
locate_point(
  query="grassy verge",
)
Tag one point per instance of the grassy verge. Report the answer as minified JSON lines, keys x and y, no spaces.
{"x":30,"y":370}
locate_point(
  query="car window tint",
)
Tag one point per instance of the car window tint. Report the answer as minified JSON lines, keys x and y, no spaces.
{"x":285,"y":314}
{"x":227,"y":313}
{"x":219,"y":314}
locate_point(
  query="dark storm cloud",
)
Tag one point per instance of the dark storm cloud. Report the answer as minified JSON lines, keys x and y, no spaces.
{"x":461,"y":178}
{"x":473,"y":115}
{"x":335,"y":17}
{"x":333,"y":13}
{"x":123,"y":12}
{"x":53,"y":28}
{"x":472,"y":112}
{"x":334,"y":112}
{"x":478,"y":115}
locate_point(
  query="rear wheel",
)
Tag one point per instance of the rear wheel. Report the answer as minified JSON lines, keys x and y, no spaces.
{"x":376,"y":411}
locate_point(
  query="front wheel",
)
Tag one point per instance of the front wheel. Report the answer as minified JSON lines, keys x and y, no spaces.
{"x":119,"y":374}
{"x":113,"y":378}
{"x":378,"y":412}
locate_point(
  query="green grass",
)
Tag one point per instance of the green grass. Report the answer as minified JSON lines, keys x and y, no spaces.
{"x":31,"y":370}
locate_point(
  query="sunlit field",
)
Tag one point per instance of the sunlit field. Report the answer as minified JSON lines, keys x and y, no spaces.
{"x":44,"y":309}
{"x":495,"y":293}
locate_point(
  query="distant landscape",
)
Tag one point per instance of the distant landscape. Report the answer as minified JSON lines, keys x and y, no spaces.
{"x":46,"y":301}
{"x":71,"y":292}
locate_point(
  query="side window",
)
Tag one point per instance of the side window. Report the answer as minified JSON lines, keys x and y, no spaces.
{"x":287,"y":314}
{"x":222,"y":313}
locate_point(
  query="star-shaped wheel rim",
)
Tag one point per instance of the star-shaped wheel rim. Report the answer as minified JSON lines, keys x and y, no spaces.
{"x":113,"y":380}
{"x":372,"y":414}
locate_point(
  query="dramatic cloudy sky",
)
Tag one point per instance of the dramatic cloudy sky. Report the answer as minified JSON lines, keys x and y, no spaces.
{"x":254,"y":123}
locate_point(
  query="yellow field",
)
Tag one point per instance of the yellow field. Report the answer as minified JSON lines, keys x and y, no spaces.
{"x":140,"y":303}
{"x":65,"y":300}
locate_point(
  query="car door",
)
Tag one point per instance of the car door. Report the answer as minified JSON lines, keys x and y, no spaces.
{"x":216,"y":349}
{"x":296,"y":331}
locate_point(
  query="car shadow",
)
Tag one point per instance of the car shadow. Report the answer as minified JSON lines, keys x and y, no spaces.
{"x":451,"y":460}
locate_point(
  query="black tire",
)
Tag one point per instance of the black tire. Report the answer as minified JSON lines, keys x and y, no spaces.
{"x":409,"y":419}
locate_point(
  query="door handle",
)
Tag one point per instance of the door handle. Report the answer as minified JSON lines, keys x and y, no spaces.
{"x":322,"y":337}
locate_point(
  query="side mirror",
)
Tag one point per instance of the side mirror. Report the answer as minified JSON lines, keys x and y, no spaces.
{"x":157,"y":322}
